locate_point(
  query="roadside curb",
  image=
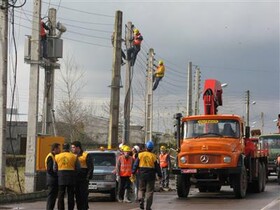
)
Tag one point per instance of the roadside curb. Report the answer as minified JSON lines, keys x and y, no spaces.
{"x":11,"y":198}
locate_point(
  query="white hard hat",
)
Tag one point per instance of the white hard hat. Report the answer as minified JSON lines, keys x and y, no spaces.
{"x":137,"y":148}
{"x":120,"y":145}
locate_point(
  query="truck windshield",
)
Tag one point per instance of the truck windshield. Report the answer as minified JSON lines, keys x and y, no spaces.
{"x":273,"y":142}
{"x":205,"y":128}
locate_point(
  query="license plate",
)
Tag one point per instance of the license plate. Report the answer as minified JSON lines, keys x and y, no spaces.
{"x":188,"y":171}
{"x":92,"y":186}
{"x":270,"y":168}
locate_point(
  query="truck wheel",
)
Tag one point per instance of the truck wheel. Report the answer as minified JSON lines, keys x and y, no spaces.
{"x":258,"y":184}
{"x":183,"y":185}
{"x":240,"y":183}
{"x":264,"y":177}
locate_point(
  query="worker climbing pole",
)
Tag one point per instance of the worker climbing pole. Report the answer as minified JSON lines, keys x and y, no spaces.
{"x":135,"y":48}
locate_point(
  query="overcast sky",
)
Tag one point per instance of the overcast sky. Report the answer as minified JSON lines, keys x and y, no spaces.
{"x":234,"y":42}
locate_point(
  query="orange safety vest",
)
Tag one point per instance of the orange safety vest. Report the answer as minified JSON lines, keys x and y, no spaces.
{"x":66,"y":161}
{"x":137,"y":41}
{"x":125,"y":166}
{"x":83,"y":159}
{"x":42,"y":30}
{"x":49,"y":155}
{"x":163,"y":160}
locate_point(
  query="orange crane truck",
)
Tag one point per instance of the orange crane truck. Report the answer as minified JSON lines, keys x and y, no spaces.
{"x":215,"y":150}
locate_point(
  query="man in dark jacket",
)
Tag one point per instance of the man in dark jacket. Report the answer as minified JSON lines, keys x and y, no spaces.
{"x":52,"y":181}
{"x":148,"y":168}
{"x":84,"y":175}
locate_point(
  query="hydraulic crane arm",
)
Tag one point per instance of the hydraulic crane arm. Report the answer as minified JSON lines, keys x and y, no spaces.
{"x":212,"y":96}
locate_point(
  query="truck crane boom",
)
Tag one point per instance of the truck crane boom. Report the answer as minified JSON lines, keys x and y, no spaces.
{"x":212,"y":96}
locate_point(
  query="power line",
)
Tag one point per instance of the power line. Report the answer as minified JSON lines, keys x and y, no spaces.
{"x":81,"y":11}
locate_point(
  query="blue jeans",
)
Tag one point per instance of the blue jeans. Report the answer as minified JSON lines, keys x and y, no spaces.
{"x":157,"y":80}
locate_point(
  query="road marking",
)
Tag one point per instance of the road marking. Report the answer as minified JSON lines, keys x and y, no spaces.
{"x":271,"y":204}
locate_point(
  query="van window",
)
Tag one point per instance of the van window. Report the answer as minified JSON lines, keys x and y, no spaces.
{"x":103,"y":159}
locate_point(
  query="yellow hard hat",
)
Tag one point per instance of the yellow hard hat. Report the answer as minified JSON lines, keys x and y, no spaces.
{"x":126,"y":149}
{"x":162,"y":148}
{"x":102,"y":148}
{"x":135,"y":31}
{"x":160,"y":62}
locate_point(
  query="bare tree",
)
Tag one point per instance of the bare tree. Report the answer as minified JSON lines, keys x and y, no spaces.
{"x":73,"y":114}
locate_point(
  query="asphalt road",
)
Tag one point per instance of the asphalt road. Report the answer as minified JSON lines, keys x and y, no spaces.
{"x":224,"y":200}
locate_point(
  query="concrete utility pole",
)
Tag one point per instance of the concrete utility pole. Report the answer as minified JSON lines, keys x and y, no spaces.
{"x":128,"y":82}
{"x":49,"y":82}
{"x":149,"y":97}
{"x":189,"y":90}
{"x":3,"y":86}
{"x":115,"y":85}
{"x":30,"y":174}
{"x":247,"y":108}
{"x":196,"y":91}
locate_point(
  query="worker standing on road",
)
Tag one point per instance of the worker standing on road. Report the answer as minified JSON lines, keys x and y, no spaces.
{"x":148,"y":168}
{"x":67,"y":166}
{"x":52,"y":180}
{"x":159,"y":74}
{"x":135,"y":151}
{"x":84,"y":175}
{"x":165,"y":164}
{"x":124,"y":171}
{"x":136,"y":47}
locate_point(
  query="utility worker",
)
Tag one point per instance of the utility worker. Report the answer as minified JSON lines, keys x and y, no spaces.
{"x":148,"y":167}
{"x":136,"y":47}
{"x":165,"y":164}
{"x":52,"y":180}
{"x":135,"y":178}
{"x":67,"y":164}
{"x":159,"y":74}
{"x":84,"y":175}
{"x":124,"y":171}
{"x":43,"y":35}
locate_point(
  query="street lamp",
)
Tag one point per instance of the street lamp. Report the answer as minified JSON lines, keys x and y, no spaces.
{"x":224,"y":85}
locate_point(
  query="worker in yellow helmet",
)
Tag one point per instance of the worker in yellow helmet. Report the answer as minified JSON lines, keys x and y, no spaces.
{"x":124,"y":171}
{"x":136,"y":47}
{"x":165,"y":165}
{"x":159,"y":74}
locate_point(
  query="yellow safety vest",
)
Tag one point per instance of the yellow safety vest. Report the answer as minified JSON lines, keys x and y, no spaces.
{"x":66,"y":161}
{"x":147,"y":159}
{"x":46,"y":159}
{"x":83,"y":159}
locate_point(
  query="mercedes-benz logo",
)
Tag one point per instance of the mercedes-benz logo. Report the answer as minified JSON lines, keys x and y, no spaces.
{"x":204,"y":159}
